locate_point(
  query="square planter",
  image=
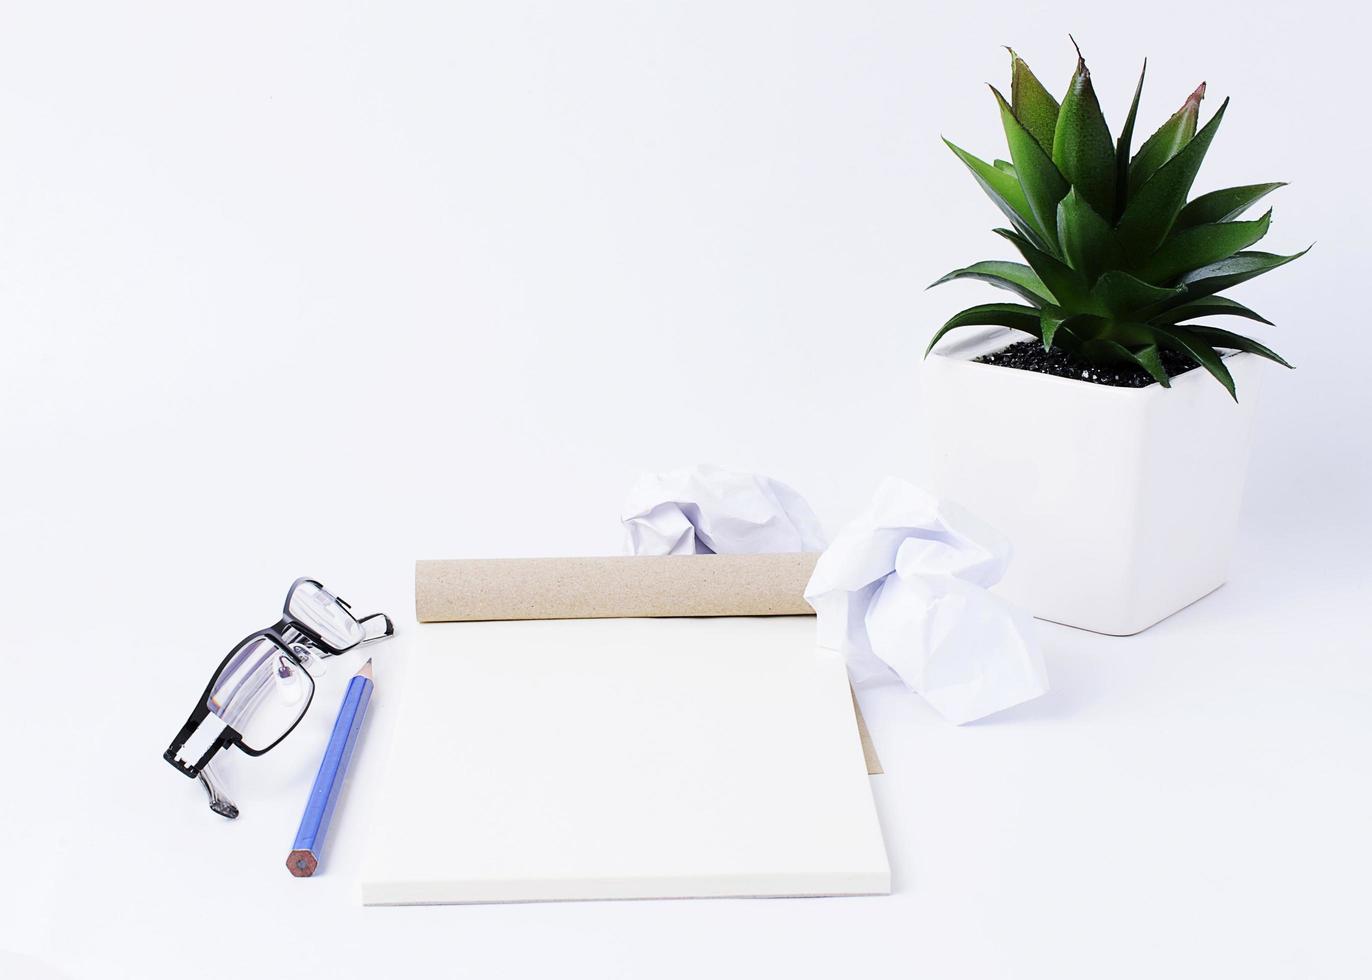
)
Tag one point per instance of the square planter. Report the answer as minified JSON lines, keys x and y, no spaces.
{"x":1121,"y":503}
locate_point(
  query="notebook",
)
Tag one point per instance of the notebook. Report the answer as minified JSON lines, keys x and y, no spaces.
{"x":616,"y":758}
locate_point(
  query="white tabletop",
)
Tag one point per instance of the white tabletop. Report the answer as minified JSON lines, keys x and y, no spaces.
{"x":1194,"y":795}
{"x":324,"y":290}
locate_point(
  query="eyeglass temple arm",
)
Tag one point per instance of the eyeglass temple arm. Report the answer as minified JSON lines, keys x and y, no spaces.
{"x":217,"y":791}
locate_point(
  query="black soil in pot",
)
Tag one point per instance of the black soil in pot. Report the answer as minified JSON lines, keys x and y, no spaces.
{"x":1029,"y":355}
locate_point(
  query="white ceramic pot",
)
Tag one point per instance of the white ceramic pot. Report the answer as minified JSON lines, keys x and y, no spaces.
{"x":1121,"y":503}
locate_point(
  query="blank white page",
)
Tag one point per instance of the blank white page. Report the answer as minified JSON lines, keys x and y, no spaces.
{"x":624,"y":758}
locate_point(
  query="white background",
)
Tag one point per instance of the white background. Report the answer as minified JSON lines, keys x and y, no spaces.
{"x":319,"y":289}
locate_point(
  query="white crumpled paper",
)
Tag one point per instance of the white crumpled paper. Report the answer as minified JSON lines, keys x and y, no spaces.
{"x":703,"y":510}
{"x":903,"y":589}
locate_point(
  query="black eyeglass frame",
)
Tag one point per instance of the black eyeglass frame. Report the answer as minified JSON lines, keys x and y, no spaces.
{"x":278,"y":634}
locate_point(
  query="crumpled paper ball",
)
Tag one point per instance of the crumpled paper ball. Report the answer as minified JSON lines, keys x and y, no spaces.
{"x":706,"y":510}
{"x":903,"y":590}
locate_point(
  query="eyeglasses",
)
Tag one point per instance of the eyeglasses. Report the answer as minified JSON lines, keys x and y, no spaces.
{"x":262,"y":689}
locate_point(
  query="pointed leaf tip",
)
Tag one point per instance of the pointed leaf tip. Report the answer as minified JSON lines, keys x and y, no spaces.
{"x":1017,"y":278}
{"x":1022,"y":318}
{"x":1223,"y":205}
{"x":1153,"y":209}
{"x":1202,"y":245}
{"x":1169,"y":140}
{"x":1124,"y":147}
{"x":1215,"y":337}
{"x":1031,"y":102}
{"x":1083,"y":149}
{"x":1004,"y":190}
{"x":1183,"y":340}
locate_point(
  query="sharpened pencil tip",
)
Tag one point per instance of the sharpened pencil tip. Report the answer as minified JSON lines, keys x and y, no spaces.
{"x":365,"y":670}
{"x":301,"y":863}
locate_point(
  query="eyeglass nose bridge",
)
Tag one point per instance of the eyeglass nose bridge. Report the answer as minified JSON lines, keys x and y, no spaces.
{"x":376,"y":626}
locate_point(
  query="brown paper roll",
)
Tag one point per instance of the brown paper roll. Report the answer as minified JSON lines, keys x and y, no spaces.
{"x":599,"y":588}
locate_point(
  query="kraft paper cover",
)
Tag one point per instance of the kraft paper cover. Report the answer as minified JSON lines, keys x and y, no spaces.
{"x":620,"y":587}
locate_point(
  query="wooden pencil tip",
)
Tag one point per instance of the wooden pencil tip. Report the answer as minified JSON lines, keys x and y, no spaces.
{"x":301,"y":863}
{"x":365,"y":670}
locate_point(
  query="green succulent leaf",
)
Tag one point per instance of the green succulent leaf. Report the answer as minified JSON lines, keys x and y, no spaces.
{"x":1072,"y":332}
{"x":1005,"y":167}
{"x":1083,"y":150}
{"x":1121,"y":329}
{"x":1112,"y":352}
{"x":1202,"y":245}
{"x":1124,"y":295}
{"x":1130,"y":333}
{"x":1223,"y":205}
{"x":1043,"y":185}
{"x":1150,"y":359}
{"x":1208,"y":306}
{"x":1216,"y":337}
{"x":1031,"y":102}
{"x":1067,"y":285}
{"x":1153,"y":209}
{"x":1122,"y":149}
{"x":1049,"y":321}
{"x":1014,"y":276}
{"x":1167,"y":142}
{"x":1087,"y":239}
{"x":1240,"y":267}
{"x":1023,"y":318}
{"x":1179,"y":338}
{"x":1005,"y":191}
{"x":1055,"y":327}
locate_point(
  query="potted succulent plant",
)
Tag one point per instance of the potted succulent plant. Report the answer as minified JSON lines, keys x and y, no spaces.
{"x":1097,"y":422}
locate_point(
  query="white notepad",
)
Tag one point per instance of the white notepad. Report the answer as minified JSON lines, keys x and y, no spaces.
{"x":599,"y":759}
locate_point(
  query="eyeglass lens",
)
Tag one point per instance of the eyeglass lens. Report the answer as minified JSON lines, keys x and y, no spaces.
{"x":261,"y":692}
{"x":322,"y":612}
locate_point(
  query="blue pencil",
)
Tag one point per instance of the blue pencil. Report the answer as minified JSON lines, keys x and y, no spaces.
{"x":333,"y":768}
